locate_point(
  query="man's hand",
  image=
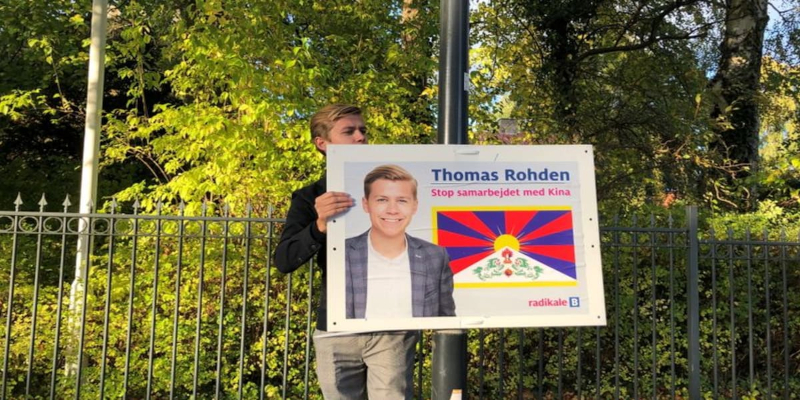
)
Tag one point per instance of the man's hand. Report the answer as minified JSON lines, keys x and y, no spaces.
{"x":329,"y":205}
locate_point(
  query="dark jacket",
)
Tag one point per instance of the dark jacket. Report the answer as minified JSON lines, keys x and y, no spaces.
{"x":301,"y":240}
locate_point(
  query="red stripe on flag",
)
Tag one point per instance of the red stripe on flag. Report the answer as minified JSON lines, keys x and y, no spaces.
{"x":450,"y":239}
{"x":516,"y":221}
{"x":562,"y":252}
{"x":462,"y":263}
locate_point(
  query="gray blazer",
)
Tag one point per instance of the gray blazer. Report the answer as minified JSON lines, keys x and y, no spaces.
{"x":431,"y":278}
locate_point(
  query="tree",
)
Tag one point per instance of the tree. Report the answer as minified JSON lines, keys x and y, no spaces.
{"x":622,"y":76}
{"x":40,"y":90}
{"x":779,"y":155}
{"x":210,"y":99}
{"x":244,"y":80}
{"x":42,"y":101}
{"x":736,"y":87}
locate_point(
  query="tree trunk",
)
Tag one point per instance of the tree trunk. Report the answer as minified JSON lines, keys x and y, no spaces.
{"x":736,"y":87}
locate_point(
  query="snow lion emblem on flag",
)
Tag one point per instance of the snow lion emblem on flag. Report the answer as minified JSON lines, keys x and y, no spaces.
{"x":521,"y":247}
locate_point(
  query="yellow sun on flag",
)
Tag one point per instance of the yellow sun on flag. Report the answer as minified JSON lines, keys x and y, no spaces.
{"x":506,"y":241}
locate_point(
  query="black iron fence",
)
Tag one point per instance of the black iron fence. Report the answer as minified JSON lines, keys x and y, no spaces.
{"x":176,"y":306}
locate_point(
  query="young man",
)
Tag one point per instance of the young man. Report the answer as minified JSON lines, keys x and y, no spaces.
{"x":349,"y":366}
{"x":391,"y":274}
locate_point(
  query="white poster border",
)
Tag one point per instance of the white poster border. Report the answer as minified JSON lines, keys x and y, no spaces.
{"x":337,"y":158}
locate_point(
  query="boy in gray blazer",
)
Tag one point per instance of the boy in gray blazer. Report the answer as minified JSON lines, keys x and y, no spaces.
{"x":390,"y":274}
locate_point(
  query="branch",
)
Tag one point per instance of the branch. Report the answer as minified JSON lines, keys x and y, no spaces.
{"x":638,"y":46}
{"x":653,"y":36}
{"x":150,"y":163}
{"x":782,"y":13}
{"x":629,"y":24}
{"x":527,"y":27}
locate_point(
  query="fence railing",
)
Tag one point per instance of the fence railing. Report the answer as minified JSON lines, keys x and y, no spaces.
{"x":178,"y":306}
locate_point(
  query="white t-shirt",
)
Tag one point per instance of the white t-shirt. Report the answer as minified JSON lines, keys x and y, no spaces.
{"x":388,"y":285}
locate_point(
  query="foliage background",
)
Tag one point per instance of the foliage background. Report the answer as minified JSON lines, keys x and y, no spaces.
{"x":208,"y":100}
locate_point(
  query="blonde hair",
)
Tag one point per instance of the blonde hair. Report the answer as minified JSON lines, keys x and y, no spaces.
{"x":389,"y":172}
{"x":324,"y":119}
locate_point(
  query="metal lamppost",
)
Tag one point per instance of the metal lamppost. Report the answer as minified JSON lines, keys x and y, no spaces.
{"x":449,"y":363}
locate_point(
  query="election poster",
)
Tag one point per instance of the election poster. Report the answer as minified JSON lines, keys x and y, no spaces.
{"x":462,"y":236}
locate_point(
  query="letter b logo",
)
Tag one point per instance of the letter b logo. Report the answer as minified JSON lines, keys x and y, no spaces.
{"x":574,"y":302}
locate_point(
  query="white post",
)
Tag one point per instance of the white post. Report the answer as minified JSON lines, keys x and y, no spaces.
{"x":91,"y":151}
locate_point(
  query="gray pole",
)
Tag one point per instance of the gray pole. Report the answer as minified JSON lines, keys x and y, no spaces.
{"x":449,"y":363}
{"x":91,"y":151}
{"x":693,"y":306}
{"x":453,"y":62}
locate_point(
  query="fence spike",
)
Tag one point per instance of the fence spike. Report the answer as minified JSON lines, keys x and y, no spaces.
{"x":204,"y":206}
{"x":269,"y":211}
{"x":18,"y":201}
{"x":114,"y":204}
{"x":182,"y":206}
{"x":249,"y":208}
{"x":42,"y":203}
{"x":136,"y":204}
{"x":670,"y":220}
{"x":66,"y":203}
{"x":159,"y":205}
{"x":226,"y":210}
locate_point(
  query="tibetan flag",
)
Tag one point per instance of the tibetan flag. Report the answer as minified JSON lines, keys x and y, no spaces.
{"x":508,"y":248}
